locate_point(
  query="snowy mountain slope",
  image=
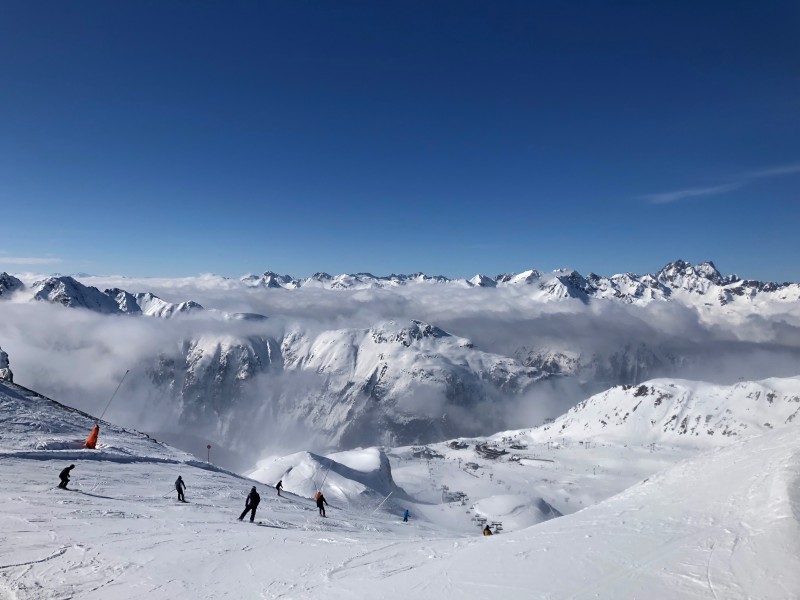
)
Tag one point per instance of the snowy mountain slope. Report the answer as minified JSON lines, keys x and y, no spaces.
{"x":9,"y":284}
{"x":34,"y":425}
{"x":678,"y":411}
{"x":576,"y":461}
{"x":207,"y":374}
{"x":119,"y":531}
{"x":149,"y":304}
{"x":719,"y":525}
{"x":399,"y":380}
{"x":722,"y":525}
{"x":388,"y":383}
{"x":71,"y":293}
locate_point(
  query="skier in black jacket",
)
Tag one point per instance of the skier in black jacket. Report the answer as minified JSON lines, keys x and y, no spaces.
{"x":251,"y":504}
{"x":64,"y":477}
{"x":180,"y":486}
{"x":320,"y":500}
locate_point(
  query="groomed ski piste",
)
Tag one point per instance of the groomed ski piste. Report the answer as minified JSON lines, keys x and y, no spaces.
{"x":639,"y":521}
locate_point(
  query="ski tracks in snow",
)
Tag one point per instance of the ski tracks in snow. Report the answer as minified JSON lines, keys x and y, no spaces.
{"x":56,"y":554}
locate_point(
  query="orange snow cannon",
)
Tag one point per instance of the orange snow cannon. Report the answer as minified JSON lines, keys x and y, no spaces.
{"x":91,"y":441}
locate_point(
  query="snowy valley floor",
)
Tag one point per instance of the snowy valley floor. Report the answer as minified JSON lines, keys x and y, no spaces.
{"x":720,"y":525}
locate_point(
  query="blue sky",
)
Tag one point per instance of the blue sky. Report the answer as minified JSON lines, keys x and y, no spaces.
{"x":172,"y":138}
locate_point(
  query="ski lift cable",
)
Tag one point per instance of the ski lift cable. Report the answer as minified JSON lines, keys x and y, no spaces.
{"x":114,"y":394}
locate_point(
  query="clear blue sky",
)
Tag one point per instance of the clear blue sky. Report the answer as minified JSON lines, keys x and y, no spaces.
{"x":171,"y":138}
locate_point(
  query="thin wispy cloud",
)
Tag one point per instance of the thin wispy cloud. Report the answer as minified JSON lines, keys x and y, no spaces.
{"x":714,"y":190}
{"x":667,"y":197}
{"x":29,"y":260}
{"x":775,"y":171}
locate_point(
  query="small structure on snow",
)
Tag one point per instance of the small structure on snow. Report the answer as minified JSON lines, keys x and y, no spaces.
{"x":487,"y":452}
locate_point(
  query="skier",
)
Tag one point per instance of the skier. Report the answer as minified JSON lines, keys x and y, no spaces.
{"x":320,"y":500}
{"x":405,"y":516}
{"x":279,"y":486}
{"x":64,"y":477}
{"x":251,"y":504}
{"x":487,"y":531}
{"x":180,"y":486}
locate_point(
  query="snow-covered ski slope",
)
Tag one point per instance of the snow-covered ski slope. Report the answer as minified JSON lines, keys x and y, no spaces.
{"x":723,"y":524}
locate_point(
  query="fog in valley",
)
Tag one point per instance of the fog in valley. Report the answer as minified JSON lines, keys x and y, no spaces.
{"x":562,"y":351}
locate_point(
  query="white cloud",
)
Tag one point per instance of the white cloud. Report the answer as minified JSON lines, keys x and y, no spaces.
{"x":667,"y":197}
{"x":745,"y":178}
{"x":775,"y":171}
{"x":29,"y":260}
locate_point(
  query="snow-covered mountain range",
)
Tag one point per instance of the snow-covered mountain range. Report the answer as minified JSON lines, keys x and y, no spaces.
{"x":71,"y":293}
{"x":258,"y":354}
{"x":393,"y":382}
{"x":676,"y":280}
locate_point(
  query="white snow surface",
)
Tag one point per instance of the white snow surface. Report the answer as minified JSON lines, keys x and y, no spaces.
{"x":358,"y":477}
{"x":678,"y":411}
{"x":676,"y":523}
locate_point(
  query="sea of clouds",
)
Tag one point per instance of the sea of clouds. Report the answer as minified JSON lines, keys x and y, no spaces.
{"x":79,"y":357}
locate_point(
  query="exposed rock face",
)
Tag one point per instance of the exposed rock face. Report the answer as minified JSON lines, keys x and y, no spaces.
{"x":5,"y":369}
{"x":393,"y":382}
{"x":9,"y":284}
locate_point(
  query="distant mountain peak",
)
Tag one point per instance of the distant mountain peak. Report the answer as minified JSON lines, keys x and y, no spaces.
{"x":9,"y":284}
{"x":481,"y":280}
{"x":69,"y":292}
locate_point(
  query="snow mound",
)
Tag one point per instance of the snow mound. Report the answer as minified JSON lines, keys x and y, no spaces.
{"x":355,"y":477}
{"x":516,"y":511}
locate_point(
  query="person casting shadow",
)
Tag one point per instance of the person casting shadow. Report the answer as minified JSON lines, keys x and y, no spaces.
{"x":251,"y":504}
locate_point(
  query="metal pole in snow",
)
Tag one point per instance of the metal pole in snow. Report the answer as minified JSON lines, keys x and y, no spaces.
{"x":326,"y":476}
{"x":114,"y":394}
{"x":208,"y":460}
{"x":381,"y":504}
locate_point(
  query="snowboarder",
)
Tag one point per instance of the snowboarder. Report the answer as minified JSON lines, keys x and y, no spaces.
{"x":279,"y":486}
{"x":251,"y":504}
{"x":487,"y":531}
{"x":64,"y":477}
{"x":320,"y":501}
{"x":180,"y":486}
{"x":405,"y":516}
